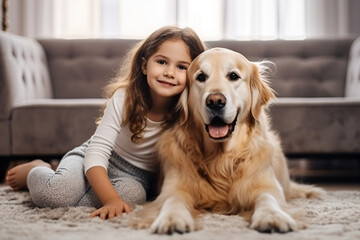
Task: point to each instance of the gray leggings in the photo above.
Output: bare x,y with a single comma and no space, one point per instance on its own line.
68,186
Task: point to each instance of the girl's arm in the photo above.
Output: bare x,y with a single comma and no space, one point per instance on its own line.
113,205
97,158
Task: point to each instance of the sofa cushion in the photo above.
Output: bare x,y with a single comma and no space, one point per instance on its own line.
80,68
311,68
312,77
52,127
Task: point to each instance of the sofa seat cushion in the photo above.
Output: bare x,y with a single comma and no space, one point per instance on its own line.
317,125
53,126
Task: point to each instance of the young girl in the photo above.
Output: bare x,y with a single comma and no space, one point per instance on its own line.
119,161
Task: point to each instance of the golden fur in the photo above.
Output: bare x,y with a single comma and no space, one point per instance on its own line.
216,170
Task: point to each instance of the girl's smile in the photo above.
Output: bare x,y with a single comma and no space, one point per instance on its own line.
166,83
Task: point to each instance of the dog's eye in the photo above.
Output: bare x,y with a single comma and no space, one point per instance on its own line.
201,77
233,76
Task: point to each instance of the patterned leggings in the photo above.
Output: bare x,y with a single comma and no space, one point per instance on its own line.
68,186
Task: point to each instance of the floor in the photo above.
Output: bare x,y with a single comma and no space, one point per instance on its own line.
335,186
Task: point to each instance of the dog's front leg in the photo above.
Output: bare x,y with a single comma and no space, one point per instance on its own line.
174,216
269,216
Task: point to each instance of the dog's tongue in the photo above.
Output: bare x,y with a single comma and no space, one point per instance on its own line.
218,131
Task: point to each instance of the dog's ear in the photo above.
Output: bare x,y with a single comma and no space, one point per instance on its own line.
261,93
182,105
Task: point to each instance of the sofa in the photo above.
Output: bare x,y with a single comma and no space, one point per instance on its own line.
51,92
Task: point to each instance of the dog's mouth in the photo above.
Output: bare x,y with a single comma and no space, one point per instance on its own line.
218,129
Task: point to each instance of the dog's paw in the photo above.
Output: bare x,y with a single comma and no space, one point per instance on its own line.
140,223
272,220
173,221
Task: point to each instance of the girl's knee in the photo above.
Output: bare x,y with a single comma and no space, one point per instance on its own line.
50,190
50,199
130,190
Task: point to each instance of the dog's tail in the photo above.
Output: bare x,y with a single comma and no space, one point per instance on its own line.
298,190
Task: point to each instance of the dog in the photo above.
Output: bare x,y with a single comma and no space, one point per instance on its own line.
222,155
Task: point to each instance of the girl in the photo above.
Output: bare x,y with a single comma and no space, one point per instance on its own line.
119,160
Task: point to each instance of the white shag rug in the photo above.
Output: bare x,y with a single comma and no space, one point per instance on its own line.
335,217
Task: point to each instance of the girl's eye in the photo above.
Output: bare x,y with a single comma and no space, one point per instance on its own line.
162,62
182,67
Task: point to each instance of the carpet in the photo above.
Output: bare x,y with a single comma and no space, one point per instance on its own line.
335,217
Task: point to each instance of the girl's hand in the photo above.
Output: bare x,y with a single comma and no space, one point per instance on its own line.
111,209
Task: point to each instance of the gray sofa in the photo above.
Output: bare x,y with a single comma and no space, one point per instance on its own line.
51,92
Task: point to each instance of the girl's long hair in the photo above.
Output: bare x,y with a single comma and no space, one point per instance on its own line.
131,77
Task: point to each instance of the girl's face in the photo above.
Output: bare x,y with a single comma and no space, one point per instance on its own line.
166,69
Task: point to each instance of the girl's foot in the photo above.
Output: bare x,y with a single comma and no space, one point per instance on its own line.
16,176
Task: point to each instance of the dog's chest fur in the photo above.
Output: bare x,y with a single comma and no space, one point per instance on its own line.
214,170
216,180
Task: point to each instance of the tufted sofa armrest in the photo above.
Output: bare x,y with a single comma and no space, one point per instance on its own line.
353,73
24,76
24,72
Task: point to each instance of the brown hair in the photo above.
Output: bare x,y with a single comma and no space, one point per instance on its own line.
131,77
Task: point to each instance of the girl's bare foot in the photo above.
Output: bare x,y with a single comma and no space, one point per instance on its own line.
16,176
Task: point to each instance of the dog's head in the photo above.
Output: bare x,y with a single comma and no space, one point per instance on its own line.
224,88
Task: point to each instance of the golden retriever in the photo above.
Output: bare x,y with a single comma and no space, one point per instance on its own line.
222,156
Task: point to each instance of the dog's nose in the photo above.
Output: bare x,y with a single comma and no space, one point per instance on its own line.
215,101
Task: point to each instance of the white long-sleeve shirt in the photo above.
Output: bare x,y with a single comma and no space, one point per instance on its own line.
109,136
